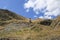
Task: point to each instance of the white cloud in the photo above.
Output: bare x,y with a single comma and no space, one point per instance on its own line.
35,16
41,17
55,12
47,17
27,10
53,7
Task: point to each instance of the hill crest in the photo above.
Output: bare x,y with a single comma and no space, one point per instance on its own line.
8,15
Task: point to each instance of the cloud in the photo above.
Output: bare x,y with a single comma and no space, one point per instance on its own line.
49,7
45,17
40,16
35,16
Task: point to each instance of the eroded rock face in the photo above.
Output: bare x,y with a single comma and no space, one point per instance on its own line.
46,22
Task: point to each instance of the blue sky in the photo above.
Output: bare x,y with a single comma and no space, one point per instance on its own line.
32,8
16,6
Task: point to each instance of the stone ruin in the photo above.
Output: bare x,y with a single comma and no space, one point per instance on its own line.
46,22
52,23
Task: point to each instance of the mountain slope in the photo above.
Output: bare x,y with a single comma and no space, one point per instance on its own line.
15,27
8,15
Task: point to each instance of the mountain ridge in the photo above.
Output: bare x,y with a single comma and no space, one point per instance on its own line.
15,27
8,15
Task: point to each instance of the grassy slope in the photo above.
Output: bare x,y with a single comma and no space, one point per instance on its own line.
30,31
35,32
8,15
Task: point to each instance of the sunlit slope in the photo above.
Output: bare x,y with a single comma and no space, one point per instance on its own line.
15,27
8,15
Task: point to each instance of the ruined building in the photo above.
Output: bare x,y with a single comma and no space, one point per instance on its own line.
53,23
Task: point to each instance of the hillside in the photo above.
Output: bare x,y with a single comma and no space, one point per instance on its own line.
15,27
8,15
